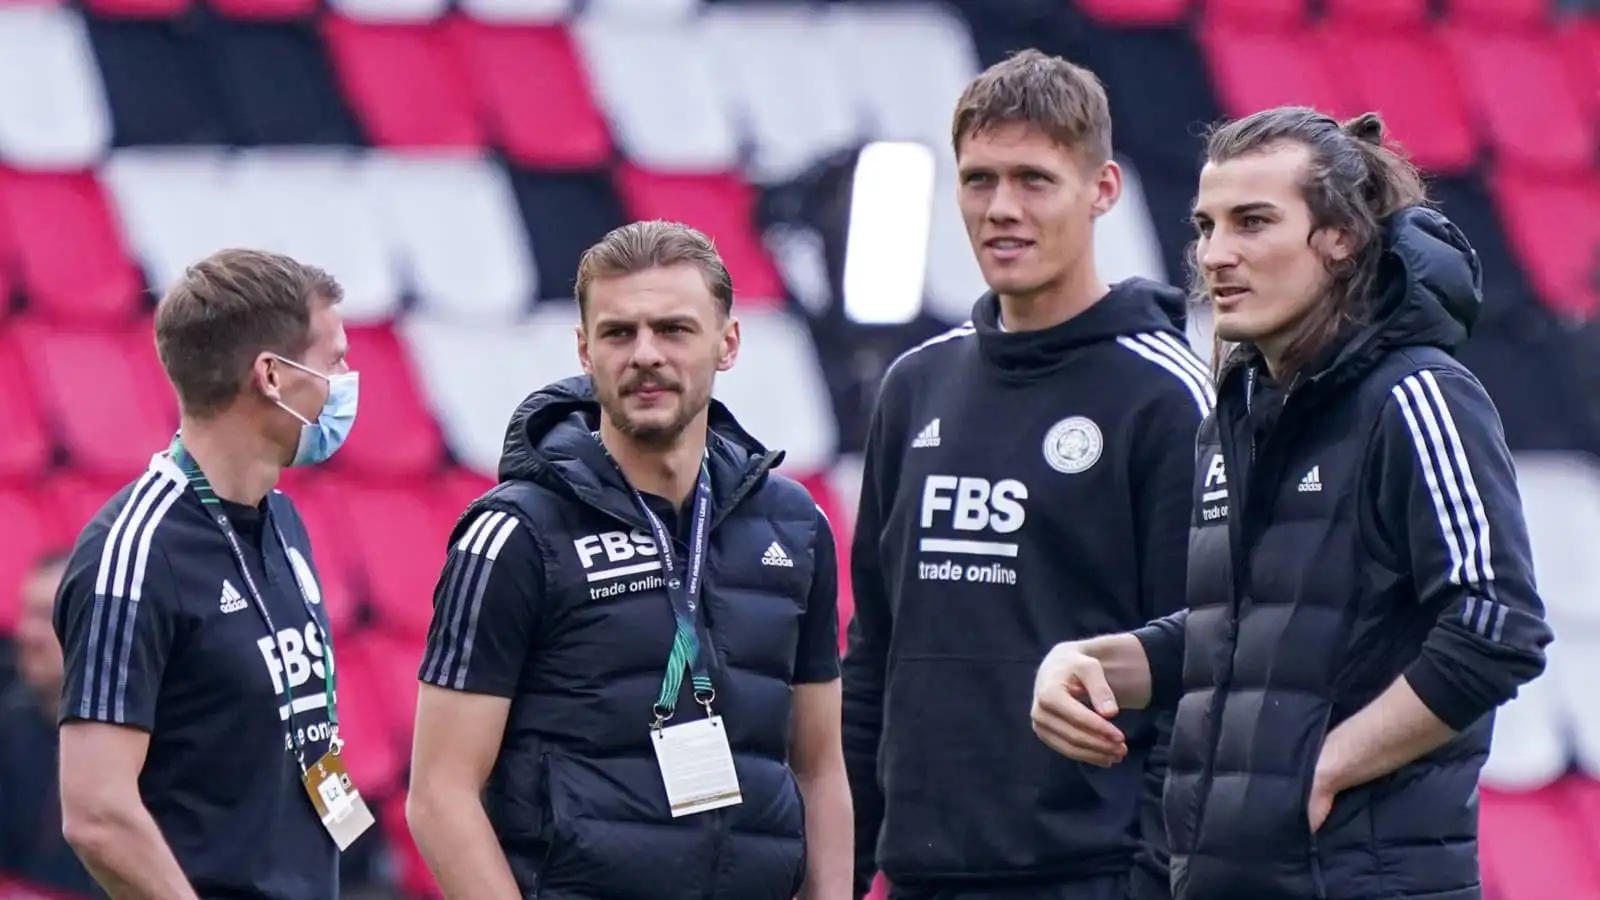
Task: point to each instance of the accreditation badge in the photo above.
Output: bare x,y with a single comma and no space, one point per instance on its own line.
696,766
340,806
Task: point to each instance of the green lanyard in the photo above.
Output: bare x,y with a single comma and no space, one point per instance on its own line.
213,505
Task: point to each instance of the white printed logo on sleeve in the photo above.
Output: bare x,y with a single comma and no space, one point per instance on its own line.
696,766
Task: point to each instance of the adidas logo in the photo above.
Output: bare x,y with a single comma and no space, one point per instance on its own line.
1312,482
928,436
776,557
232,600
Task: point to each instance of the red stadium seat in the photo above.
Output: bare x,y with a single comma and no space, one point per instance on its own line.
1376,14
27,447
1407,76
392,664
535,93
722,206
1530,849
1254,70
265,10
137,9
411,869
27,537
75,498
87,383
1585,794
1260,15
839,518
1580,41
1553,225
376,764
405,83
401,546
1498,13
149,378
1525,98
395,436
319,500
1136,12
73,262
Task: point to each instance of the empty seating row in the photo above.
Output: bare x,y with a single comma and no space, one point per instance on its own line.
689,94
1532,96
1367,13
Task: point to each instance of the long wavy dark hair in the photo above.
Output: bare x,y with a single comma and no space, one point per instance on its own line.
1352,182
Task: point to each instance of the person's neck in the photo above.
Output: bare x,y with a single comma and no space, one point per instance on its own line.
239,462
667,471
1053,305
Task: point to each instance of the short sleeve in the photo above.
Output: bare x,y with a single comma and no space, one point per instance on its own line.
485,606
817,657
115,617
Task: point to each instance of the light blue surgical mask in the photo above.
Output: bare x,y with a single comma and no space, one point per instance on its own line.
319,440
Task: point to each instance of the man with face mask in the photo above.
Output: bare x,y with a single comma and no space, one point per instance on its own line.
199,717
631,682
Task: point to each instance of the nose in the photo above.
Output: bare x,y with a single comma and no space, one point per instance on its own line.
647,352
1004,205
1216,252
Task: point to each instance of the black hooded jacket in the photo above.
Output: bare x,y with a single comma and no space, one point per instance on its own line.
552,596
1357,525
1020,489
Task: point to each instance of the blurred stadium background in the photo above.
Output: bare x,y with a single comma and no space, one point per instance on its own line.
448,161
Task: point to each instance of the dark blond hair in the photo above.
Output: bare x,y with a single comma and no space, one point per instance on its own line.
1061,99
1352,183
642,246
225,311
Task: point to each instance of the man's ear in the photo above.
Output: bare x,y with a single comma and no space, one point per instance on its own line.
728,353
266,375
583,349
1108,189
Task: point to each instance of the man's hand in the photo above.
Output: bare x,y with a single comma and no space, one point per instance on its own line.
1323,793
1076,729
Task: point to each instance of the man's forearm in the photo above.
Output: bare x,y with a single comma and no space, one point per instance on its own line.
459,845
1391,731
124,851
830,835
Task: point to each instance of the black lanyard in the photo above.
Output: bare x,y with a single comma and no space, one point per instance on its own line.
213,505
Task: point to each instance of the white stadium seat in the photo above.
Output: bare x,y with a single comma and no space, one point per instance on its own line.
1125,242
908,63
454,222
954,280
517,12
53,112
659,87
777,391
784,85
307,203
475,375
176,207
642,10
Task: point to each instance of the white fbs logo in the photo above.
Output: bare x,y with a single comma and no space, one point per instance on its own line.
1214,491
980,511
626,561
294,659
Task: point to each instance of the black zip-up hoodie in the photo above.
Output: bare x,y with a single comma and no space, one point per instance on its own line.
1020,489
1356,526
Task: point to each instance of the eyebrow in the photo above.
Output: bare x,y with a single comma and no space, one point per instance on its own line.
1242,209
654,322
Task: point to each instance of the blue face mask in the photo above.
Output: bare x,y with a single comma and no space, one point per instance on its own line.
319,440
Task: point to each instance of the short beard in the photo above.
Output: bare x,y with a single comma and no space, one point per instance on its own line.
652,436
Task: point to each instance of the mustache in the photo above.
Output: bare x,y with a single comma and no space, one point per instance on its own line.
643,382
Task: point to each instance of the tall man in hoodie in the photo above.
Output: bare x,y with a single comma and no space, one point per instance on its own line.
1027,478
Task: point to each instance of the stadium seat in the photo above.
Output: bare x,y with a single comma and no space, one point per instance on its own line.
908,64
405,82
1580,44
318,499
777,391
53,112
278,186
390,11
1530,849
27,538
953,280
661,91
647,11
27,448
87,382
265,10
1407,76
564,213
401,547
376,764
1261,15
391,664
534,93
1376,15
476,375
1255,70
720,205
1125,243
174,206
158,82
784,85
453,220
517,12
275,84
1524,97
1553,224
1584,793
1136,13
73,498
839,517
73,264
1499,14
395,437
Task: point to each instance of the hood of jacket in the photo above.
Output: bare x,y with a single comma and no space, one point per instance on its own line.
1134,306
551,441
1429,293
